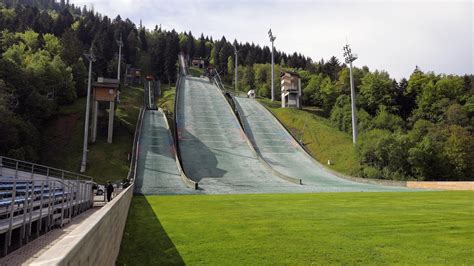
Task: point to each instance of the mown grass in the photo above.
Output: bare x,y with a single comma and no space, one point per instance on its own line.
62,139
326,228
323,141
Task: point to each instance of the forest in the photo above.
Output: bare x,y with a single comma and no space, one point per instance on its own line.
420,127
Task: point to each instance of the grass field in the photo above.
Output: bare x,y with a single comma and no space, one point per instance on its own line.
63,138
324,141
342,228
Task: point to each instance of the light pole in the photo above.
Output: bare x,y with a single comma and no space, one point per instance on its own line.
120,44
349,58
90,56
236,70
272,39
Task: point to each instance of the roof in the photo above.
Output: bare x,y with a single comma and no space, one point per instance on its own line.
290,73
105,85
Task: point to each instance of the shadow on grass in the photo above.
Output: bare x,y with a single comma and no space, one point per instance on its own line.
145,241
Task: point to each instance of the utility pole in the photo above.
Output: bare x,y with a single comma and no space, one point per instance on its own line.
236,70
120,44
90,56
349,58
272,39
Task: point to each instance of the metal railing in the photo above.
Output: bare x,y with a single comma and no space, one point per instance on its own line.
132,171
149,94
32,169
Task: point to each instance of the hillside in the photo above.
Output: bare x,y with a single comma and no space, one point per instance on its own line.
420,127
62,139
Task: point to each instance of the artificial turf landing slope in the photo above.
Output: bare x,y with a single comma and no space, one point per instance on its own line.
354,228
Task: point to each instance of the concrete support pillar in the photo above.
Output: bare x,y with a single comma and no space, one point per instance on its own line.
283,100
95,107
111,122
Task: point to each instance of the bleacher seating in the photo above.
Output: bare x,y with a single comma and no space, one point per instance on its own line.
35,199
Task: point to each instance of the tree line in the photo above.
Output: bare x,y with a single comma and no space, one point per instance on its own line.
42,66
415,128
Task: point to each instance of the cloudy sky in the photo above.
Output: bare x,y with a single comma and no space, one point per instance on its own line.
388,35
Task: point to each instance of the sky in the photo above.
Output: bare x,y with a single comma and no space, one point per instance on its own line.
395,36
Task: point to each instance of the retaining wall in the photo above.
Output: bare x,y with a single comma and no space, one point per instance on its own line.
461,185
96,241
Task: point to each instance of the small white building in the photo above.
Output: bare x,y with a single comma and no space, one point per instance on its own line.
291,93
251,94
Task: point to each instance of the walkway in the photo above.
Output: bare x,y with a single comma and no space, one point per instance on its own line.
31,251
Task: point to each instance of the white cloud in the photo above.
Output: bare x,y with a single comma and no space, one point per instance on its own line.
390,35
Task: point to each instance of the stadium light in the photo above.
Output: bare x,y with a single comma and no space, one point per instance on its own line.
272,39
349,58
90,56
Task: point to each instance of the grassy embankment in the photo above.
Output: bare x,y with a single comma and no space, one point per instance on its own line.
323,140
326,228
63,138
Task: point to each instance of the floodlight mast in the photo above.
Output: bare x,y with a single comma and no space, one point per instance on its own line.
349,58
120,44
236,70
90,56
272,39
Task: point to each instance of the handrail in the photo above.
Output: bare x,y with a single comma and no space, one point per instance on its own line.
137,148
34,168
68,183
134,155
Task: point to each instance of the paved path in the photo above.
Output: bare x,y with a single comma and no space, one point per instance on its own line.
213,147
285,155
34,249
157,172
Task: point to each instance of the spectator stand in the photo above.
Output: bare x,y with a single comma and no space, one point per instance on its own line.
35,199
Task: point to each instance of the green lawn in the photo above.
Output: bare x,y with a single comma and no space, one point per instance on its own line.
342,228
324,141
62,138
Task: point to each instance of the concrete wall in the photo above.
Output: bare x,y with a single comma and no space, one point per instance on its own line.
461,185
96,241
